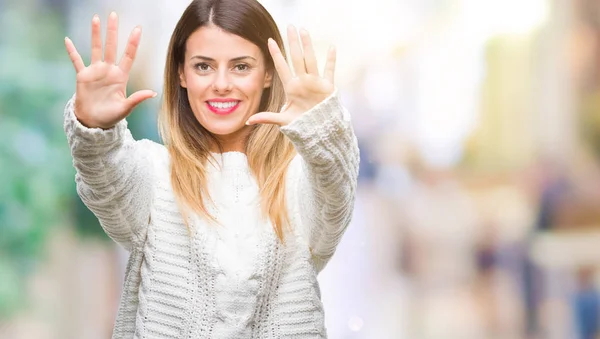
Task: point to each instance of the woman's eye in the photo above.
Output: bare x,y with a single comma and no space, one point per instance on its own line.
203,67
241,67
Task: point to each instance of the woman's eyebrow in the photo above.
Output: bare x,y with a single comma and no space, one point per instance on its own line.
240,58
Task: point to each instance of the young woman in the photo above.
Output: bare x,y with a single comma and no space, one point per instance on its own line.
229,223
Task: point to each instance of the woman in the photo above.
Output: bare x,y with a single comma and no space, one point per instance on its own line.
229,223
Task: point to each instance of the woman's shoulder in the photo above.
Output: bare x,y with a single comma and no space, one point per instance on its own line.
294,174
157,152
295,168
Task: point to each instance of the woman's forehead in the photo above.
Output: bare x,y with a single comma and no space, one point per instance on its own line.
216,43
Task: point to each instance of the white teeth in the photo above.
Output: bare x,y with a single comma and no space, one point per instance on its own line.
223,105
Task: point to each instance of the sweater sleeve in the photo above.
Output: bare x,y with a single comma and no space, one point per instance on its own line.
113,176
326,186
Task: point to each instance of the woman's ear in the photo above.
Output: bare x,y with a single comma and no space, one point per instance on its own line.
182,77
268,79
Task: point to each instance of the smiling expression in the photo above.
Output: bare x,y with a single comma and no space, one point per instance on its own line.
225,76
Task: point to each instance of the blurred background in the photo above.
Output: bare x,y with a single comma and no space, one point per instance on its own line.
478,210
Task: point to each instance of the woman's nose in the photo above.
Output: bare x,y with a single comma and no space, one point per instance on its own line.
222,83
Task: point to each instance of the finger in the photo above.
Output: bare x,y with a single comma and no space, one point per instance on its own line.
131,49
296,51
139,96
281,66
110,51
96,40
329,73
310,60
266,118
74,55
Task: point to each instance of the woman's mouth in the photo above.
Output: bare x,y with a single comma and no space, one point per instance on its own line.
222,107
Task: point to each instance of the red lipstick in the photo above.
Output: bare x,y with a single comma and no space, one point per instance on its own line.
222,106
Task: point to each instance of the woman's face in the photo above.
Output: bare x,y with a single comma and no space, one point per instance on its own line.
225,76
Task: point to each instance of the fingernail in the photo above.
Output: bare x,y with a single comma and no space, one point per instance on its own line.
96,17
248,123
154,95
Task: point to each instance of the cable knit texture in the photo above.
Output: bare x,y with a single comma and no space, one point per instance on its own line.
230,281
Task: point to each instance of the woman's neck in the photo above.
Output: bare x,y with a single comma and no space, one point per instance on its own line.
234,142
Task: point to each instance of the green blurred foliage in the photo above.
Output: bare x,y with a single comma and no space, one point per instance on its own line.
37,187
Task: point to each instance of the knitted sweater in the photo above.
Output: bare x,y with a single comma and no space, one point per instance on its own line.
236,280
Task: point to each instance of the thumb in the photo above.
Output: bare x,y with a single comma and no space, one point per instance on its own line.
139,96
267,118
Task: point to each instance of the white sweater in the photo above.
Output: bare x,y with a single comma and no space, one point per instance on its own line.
231,281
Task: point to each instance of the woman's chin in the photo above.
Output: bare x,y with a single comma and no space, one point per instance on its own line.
226,128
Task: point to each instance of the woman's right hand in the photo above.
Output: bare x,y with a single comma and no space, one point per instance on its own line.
101,99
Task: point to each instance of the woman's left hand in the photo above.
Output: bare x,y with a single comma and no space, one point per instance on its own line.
304,89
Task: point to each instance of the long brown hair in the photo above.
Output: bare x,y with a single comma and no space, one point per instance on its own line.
269,153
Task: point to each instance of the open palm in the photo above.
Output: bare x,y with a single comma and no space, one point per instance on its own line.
101,99
304,89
